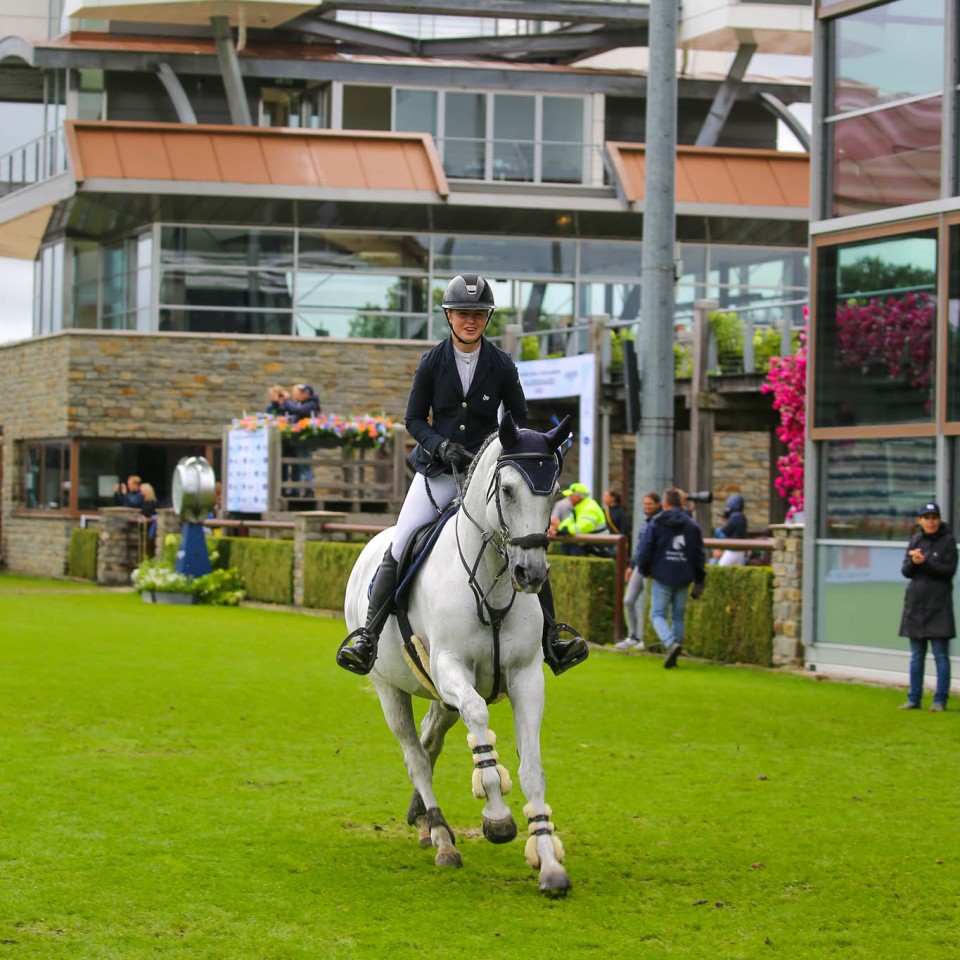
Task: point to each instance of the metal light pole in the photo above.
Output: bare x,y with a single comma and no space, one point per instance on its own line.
654,461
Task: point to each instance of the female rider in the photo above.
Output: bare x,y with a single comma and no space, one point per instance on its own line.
452,408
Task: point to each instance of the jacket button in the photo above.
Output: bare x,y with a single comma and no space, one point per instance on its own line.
463,426
464,404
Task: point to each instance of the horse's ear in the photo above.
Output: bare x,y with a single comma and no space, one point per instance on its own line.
559,433
509,435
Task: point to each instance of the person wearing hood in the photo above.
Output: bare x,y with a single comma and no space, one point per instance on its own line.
734,528
930,564
671,553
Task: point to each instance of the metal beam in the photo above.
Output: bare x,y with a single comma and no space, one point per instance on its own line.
779,109
726,97
178,96
355,36
230,71
540,44
567,11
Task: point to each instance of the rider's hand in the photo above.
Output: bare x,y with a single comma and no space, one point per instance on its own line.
454,454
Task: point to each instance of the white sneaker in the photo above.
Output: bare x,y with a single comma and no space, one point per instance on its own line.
629,643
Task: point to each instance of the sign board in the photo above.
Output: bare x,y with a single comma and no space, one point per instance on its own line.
567,377
247,473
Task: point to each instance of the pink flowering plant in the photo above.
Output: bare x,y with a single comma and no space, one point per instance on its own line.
787,381
363,432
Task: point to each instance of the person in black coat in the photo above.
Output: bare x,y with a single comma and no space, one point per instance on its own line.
451,410
930,564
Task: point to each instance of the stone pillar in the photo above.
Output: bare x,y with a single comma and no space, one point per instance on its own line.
115,560
168,521
787,593
307,526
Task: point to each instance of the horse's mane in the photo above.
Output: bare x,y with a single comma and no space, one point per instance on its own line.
473,463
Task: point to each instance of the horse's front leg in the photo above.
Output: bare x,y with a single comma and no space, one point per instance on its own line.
398,712
543,849
491,781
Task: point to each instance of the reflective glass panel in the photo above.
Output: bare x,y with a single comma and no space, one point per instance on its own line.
611,259
887,52
224,321
875,332
55,490
100,468
953,328
860,594
242,288
562,164
491,256
366,108
871,488
464,135
226,247
887,158
416,111
360,292
619,301
358,323
363,251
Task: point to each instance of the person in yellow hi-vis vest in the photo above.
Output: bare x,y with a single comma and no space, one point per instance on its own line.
587,517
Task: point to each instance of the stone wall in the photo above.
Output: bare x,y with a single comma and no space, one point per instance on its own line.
41,545
787,564
741,464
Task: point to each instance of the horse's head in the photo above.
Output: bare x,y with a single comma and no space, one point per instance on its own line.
522,490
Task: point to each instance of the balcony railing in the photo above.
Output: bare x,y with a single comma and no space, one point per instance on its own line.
33,162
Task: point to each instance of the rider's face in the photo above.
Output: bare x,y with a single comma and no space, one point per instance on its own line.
468,325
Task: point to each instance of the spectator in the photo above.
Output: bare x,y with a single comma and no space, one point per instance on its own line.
128,494
149,509
587,517
617,519
734,528
672,553
303,402
930,564
277,395
633,579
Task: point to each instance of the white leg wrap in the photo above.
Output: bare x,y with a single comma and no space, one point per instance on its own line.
536,829
485,754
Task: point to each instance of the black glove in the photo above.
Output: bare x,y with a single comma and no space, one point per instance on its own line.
454,454
696,591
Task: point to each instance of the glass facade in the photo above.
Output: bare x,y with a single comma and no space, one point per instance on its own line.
876,331
884,110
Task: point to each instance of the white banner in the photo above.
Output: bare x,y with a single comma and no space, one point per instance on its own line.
248,471
567,377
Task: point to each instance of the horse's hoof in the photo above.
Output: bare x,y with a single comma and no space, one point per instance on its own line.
555,885
451,859
500,831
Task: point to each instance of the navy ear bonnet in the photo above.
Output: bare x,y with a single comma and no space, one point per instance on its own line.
537,460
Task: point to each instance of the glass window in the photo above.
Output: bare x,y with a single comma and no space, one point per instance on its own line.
360,291
366,108
871,488
887,52
173,320
875,332
491,256
416,111
514,127
46,480
563,150
363,251
116,294
886,158
360,323
226,247
464,135
611,259
953,327
619,301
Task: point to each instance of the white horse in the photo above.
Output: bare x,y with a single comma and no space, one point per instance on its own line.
474,610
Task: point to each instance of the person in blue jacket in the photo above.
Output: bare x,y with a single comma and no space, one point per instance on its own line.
672,555
452,408
734,527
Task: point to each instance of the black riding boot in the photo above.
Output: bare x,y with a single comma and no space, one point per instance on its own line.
360,655
559,654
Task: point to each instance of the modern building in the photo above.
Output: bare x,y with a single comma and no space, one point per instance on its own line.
221,196
884,393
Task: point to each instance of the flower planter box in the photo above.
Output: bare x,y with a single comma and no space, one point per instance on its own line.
152,596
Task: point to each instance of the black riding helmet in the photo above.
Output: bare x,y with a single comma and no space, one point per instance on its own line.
467,291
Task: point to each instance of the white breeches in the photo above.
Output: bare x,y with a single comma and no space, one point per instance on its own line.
418,510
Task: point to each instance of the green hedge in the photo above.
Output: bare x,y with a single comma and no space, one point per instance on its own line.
265,565
733,621
83,554
583,594
327,569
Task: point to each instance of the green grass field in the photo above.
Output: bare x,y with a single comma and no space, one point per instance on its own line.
199,782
